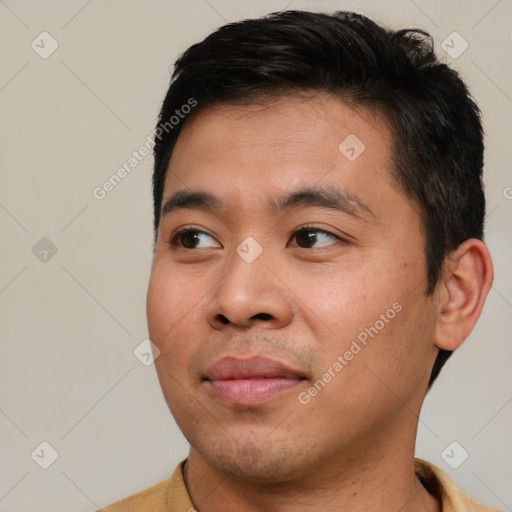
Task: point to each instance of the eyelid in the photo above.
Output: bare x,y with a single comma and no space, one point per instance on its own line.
340,235
184,229
317,228
292,243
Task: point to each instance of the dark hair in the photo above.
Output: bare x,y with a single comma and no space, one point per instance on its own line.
438,138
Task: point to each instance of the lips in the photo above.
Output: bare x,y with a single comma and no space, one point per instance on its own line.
251,381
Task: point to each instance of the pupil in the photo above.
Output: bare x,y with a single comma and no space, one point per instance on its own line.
306,237
189,239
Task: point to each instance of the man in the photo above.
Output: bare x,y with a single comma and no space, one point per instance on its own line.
318,221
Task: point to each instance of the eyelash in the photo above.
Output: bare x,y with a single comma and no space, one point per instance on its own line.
176,237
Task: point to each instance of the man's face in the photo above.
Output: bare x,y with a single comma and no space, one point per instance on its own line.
291,317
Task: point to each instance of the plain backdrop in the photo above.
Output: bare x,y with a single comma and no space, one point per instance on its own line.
74,269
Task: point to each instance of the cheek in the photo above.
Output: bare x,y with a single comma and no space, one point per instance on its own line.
159,308
172,306
172,312
341,303
379,306
396,356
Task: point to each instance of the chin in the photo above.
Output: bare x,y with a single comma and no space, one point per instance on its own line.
255,462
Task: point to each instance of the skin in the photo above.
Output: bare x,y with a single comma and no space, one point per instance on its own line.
352,445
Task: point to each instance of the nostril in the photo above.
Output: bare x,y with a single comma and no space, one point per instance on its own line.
263,316
260,316
223,319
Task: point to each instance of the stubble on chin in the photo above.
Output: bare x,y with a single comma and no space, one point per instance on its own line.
257,462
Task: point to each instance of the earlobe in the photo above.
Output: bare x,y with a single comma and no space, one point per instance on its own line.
461,292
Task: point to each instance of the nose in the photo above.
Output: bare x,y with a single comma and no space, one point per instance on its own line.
249,294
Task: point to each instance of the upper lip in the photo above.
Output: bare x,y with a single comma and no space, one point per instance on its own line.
255,367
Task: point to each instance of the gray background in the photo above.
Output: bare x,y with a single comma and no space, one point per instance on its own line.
71,320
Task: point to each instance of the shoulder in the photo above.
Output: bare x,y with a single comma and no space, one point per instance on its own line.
153,498
167,496
441,486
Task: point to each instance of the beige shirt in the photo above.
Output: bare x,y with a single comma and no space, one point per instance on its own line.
171,495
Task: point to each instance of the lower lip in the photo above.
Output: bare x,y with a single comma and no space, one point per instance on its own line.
251,391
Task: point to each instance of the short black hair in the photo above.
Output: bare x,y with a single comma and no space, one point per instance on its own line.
436,126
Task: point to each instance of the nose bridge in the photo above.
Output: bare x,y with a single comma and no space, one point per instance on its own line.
248,292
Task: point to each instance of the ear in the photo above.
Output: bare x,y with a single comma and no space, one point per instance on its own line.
461,292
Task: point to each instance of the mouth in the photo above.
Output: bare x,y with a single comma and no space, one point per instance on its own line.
251,381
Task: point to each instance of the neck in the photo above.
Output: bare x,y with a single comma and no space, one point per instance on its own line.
356,483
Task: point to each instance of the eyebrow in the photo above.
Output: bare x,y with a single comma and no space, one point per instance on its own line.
325,197
195,200
328,197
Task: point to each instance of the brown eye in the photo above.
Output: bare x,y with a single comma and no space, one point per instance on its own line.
189,239
194,239
307,238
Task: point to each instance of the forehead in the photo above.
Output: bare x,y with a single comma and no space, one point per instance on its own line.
251,151
317,122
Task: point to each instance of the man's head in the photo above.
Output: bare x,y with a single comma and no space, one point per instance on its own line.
321,205
437,136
